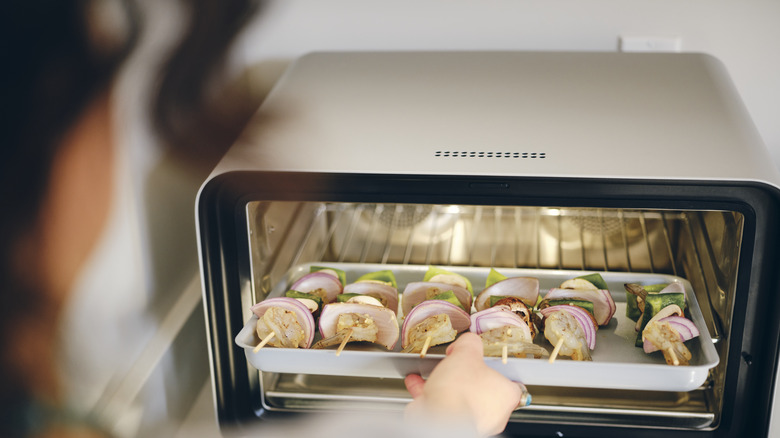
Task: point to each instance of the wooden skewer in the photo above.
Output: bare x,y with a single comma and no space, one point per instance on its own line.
425,347
555,351
344,342
505,349
675,361
265,340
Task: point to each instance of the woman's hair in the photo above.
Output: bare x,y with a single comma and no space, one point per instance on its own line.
57,60
193,121
52,72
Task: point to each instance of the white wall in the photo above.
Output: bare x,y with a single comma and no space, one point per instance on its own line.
744,34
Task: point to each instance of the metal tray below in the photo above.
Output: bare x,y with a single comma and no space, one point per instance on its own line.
616,364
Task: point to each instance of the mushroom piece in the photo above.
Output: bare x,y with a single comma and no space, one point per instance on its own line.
386,294
518,307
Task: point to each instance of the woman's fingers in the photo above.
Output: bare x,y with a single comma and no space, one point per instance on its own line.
414,384
467,343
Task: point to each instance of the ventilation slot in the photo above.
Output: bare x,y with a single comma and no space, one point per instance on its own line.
484,154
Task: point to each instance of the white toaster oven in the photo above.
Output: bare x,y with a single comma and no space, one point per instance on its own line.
641,167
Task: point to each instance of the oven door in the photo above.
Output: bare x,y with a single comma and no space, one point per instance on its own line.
254,227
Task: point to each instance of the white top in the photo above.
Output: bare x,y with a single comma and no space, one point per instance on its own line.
545,114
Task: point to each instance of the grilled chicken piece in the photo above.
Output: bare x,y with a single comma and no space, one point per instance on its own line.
288,332
665,338
563,325
517,342
359,327
437,327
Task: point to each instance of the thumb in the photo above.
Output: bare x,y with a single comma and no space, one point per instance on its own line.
467,343
414,384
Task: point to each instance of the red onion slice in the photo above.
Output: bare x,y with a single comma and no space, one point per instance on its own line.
583,318
603,304
496,317
612,306
524,288
323,281
301,312
459,319
388,293
419,291
384,318
683,326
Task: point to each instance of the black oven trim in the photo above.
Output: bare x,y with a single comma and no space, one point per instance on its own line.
222,232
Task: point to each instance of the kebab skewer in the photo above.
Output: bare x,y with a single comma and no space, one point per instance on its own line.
425,328
325,283
571,329
430,323
662,324
347,322
283,322
505,333
590,288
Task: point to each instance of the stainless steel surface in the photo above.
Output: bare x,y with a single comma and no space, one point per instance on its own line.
297,392
549,114
701,246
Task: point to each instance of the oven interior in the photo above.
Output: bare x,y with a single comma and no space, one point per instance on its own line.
702,246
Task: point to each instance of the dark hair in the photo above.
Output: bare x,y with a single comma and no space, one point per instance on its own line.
55,65
195,123
52,72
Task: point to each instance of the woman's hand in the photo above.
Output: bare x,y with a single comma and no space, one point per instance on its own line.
463,388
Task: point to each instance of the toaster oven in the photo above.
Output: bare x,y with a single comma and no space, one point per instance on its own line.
640,167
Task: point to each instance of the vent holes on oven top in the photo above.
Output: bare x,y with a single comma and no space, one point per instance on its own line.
490,154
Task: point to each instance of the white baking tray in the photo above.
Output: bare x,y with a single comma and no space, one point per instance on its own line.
617,363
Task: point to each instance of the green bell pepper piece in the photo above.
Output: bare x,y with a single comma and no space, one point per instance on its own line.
494,299
494,277
343,298
632,307
449,297
595,279
304,295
